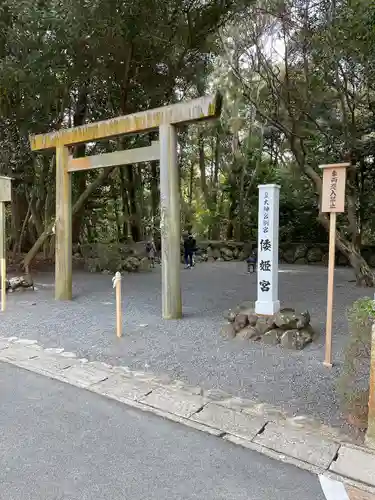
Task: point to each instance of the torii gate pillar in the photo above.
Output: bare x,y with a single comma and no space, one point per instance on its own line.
166,119
170,223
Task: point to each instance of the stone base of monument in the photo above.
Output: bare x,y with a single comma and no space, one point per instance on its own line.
289,328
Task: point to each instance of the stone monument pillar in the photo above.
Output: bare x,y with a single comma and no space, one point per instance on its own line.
268,250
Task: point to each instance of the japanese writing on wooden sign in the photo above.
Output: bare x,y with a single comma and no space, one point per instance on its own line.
333,193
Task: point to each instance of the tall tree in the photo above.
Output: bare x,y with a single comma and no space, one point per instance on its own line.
66,62
313,88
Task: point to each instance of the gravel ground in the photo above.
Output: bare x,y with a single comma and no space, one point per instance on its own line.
192,349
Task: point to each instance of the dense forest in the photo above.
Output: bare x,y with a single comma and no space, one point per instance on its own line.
298,80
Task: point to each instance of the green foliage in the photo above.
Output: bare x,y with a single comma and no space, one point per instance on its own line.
306,74
298,209
64,63
361,316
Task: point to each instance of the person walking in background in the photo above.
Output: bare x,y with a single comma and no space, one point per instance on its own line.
251,261
189,249
151,252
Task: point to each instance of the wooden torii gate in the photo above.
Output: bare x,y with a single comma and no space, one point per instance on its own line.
166,119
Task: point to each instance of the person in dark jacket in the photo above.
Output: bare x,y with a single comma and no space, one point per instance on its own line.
189,249
151,252
251,261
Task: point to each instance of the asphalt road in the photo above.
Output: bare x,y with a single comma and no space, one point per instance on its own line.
62,443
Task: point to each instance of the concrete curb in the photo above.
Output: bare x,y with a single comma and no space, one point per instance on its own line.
299,441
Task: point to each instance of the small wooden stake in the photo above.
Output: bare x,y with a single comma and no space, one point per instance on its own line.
117,284
2,255
331,270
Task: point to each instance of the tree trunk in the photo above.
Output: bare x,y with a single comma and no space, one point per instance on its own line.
241,207
202,169
115,196
125,207
232,212
91,188
215,227
20,212
364,276
234,223
191,184
36,217
135,229
155,197
49,210
79,178
363,273
139,189
34,250
18,247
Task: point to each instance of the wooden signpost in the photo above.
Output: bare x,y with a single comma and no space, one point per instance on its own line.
333,202
5,195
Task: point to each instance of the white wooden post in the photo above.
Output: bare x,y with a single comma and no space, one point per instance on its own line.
268,250
170,223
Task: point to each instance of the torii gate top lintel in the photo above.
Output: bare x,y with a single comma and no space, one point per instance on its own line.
203,108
